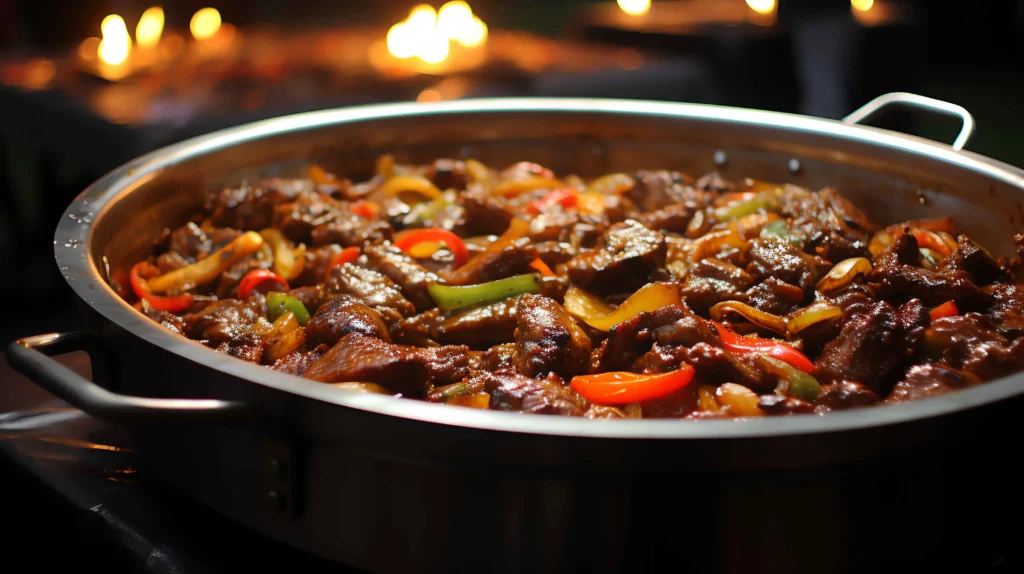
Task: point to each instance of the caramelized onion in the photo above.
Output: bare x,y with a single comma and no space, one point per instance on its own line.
815,313
362,388
755,316
879,242
612,184
409,183
477,171
843,272
518,186
713,242
284,344
738,400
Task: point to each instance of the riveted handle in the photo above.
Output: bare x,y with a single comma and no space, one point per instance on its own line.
921,103
31,357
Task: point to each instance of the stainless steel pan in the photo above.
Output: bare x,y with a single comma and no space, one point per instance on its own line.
399,485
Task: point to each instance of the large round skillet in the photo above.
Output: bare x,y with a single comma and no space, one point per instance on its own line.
400,485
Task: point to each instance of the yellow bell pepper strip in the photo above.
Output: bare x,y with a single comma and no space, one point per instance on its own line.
258,277
755,316
516,187
448,297
542,267
138,282
409,183
564,196
406,240
795,383
620,387
813,314
288,261
209,268
477,171
750,344
612,184
279,303
712,243
843,273
594,312
319,175
947,309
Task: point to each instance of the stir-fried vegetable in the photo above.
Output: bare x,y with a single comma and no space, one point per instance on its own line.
770,347
765,200
209,268
932,240
706,399
288,261
525,170
516,187
347,255
793,382
364,209
596,313
279,303
448,297
618,388
947,309
517,229
755,316
319,175
612,184
473,401
137,278
738,400
843,273
406,240
284,344
712,243
409,183
258,279
542,267
564,196
813,314
779,229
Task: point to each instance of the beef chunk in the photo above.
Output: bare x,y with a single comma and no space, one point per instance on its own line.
930,380
245,208
548,339
189,241
1007,311
844,395
660,359
297,218
685,329
511,391
500,262
975,260
478,327
317,263
774,296
555,252
350,230
710,281
248,347
779,259
298,361
622,260
167,320
499,357
403,270
311,297
832,226
447,173
400,369
714,182
972,343
714,365
672,218
630,339
658,189
343,315
372,287
897,277
483,213
220,322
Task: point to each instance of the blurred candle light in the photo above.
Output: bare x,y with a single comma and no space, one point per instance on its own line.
205,23
429,96
762,6
862,5
454,17
88,48
151,26
115,46
422,17
433,48
401,41
473,34
635,7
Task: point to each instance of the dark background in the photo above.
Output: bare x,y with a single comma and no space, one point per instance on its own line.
816,60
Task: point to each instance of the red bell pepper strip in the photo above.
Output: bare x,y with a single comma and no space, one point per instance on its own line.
930,240
542,267
452,241
617,388
170,304
257,278
363,209
947,309
777,349
347,255
566,197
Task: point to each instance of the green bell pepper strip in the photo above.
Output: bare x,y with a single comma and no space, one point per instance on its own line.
765,200
779,230
798,383
449,298
280,303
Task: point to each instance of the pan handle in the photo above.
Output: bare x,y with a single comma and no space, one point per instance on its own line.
31,357
918,102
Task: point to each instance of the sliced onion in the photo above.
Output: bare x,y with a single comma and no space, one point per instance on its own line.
712,243
815,313
879,242
843,272
755,316
930,258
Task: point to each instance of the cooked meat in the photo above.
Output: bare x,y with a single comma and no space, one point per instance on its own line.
548,340
375,327
844,395
343,315
511,391
622,261
350,230
400,369
512,259
220,322
372,287
248,347
410,276
930,380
